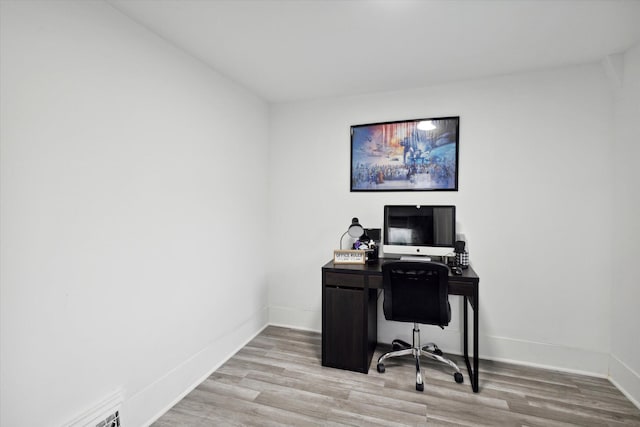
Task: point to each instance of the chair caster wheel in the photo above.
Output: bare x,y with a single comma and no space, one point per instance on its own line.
396,347
419,387
437,351
380,368
458,377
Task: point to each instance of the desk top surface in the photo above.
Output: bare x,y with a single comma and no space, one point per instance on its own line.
468,274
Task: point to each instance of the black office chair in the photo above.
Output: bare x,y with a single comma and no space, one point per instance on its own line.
417,292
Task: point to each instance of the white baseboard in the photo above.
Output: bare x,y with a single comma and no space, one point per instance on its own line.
542,355
146,406
100,411
310,320
625,379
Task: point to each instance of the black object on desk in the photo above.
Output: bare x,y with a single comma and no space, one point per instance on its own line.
350,314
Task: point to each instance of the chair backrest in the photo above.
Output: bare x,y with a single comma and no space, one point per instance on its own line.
416,292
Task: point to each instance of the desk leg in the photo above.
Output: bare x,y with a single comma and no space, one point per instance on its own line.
473,373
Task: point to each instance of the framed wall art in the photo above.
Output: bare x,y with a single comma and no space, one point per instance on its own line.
408,155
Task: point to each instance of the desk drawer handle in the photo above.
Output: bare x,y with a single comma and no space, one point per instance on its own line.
355,288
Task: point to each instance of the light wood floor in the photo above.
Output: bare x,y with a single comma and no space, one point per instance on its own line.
277,380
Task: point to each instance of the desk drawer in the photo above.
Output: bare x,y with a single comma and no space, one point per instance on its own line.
375,282
341,279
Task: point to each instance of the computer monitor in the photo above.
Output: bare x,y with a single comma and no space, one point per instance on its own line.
419,230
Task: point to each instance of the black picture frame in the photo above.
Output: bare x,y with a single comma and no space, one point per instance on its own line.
406,155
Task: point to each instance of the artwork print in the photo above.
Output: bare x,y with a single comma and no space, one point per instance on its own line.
411,155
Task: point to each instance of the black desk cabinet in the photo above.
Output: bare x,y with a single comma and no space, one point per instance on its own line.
350,315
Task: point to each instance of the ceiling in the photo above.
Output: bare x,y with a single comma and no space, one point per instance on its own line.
290,50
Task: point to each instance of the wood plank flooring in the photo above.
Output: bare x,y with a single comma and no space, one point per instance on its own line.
277,380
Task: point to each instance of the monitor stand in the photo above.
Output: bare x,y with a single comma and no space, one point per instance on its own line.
418,258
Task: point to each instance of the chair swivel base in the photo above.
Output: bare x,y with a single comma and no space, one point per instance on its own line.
430,350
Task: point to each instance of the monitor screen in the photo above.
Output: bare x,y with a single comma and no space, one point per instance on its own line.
419,230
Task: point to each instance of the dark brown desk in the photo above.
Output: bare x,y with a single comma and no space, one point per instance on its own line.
350,315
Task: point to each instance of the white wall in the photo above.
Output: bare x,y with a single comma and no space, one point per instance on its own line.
625,350
133,180
534,204
121,270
